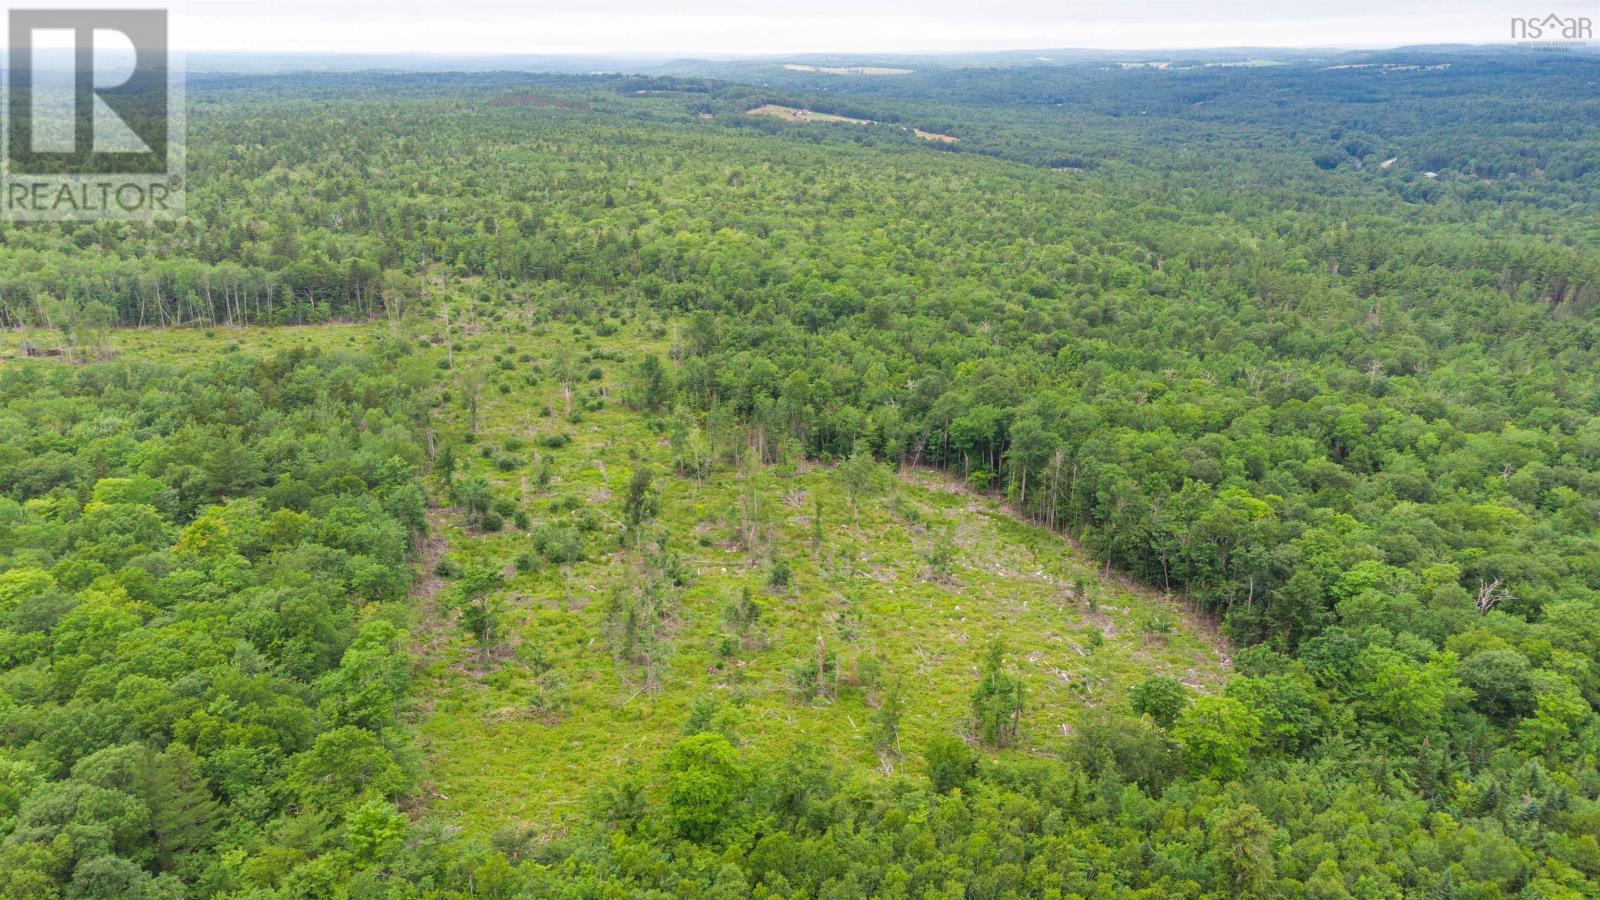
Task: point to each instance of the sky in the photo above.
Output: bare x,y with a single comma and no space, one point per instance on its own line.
761,27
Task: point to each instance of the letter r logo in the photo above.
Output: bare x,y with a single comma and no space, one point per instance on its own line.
89,91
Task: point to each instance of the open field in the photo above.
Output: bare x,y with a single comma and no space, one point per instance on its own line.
847,70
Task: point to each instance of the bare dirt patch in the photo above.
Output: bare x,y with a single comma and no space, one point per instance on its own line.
429,628
797,114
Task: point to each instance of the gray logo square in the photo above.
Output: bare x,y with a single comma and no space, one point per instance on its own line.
93,128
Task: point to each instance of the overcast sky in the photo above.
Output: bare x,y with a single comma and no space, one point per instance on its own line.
760,27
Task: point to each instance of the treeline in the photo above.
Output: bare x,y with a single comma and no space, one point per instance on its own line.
67,291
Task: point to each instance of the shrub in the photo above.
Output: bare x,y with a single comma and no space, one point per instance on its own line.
951,763
779,575
558,544
1161,698
703,780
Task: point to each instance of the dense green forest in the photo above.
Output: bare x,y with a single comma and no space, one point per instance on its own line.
609,384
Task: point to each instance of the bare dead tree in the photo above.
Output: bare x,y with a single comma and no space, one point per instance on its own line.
1492,594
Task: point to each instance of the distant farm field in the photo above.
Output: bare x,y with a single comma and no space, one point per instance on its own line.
847,70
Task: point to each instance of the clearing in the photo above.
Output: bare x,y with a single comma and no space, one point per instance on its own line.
522,733
847,70
798,114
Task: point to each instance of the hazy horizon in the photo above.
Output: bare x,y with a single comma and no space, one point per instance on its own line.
730,29
653,56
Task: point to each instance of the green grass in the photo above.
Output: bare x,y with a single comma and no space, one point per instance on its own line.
177,344
508,745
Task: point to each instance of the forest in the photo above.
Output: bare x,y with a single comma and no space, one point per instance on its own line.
1186,483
